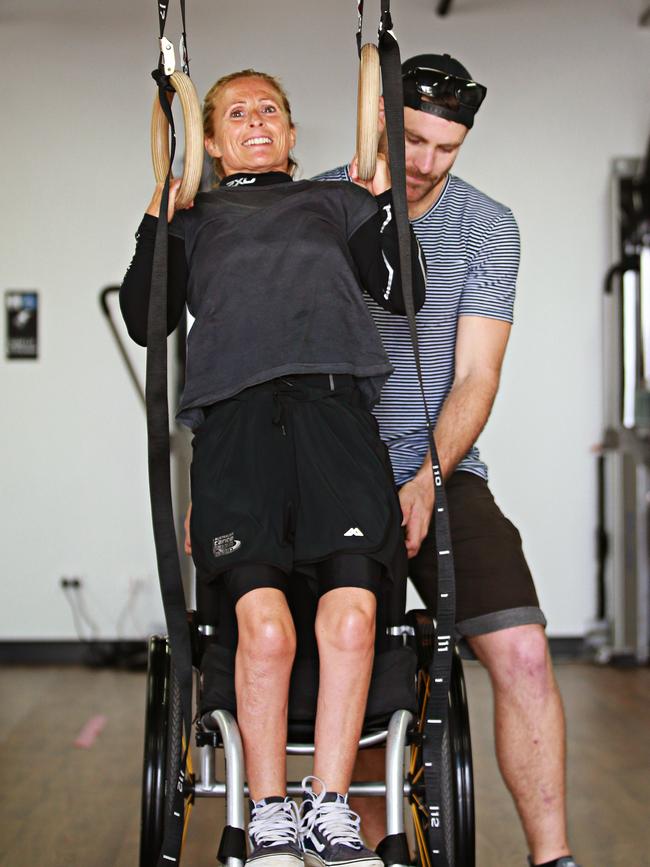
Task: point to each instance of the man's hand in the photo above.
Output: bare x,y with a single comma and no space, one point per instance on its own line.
186,526
416,499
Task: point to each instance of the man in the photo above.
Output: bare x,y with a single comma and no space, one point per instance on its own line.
471,244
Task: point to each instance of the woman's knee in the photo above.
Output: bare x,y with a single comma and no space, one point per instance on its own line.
347,624
266,631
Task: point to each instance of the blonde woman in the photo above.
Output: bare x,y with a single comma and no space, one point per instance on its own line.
290,480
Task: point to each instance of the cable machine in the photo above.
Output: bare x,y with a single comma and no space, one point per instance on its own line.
624,466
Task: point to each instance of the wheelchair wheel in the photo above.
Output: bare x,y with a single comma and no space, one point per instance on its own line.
456,776
163,748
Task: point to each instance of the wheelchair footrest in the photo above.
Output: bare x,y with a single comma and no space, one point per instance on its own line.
232,845
394,850
206,738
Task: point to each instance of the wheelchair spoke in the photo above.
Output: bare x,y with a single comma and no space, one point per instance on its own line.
190,800
421,807
420,836
415,759
186,820
426,688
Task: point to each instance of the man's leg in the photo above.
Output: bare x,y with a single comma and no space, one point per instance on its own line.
265,652
529,727
345,631
529,731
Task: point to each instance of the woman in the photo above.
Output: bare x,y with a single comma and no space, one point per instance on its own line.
289,476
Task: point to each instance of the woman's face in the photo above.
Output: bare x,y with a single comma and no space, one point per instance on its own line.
251,131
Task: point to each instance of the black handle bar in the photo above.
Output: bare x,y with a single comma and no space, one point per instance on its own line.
106,310
631,263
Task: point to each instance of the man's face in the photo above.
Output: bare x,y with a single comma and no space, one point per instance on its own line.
432,145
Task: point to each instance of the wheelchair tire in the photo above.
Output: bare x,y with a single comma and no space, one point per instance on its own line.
163,748
457,776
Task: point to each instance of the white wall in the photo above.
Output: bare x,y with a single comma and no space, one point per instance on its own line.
568,91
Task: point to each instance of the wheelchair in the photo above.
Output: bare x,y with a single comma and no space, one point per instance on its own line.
394,718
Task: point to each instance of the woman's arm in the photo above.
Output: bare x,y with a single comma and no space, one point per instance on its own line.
375,250
136,286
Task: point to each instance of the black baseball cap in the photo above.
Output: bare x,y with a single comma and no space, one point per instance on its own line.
427,76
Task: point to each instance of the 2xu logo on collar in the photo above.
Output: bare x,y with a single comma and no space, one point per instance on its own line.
237,182
225,544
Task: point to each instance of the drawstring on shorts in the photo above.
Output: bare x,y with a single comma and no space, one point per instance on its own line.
279,411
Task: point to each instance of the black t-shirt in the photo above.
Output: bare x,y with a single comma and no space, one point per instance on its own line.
274,287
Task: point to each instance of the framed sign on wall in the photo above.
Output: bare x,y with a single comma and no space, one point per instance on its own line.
22,324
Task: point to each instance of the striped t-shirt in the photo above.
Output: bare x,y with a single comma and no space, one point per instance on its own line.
471,246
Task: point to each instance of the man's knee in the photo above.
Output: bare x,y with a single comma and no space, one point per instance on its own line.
516,655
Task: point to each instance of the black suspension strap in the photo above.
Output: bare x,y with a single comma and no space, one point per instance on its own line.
169,571
163,8
440,667
359,25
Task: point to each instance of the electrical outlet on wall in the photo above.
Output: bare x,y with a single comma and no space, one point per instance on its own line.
70,583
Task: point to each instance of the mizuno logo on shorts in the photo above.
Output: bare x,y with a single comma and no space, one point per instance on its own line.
225,544
353,531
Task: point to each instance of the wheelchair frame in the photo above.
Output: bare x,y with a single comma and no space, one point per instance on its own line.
403,771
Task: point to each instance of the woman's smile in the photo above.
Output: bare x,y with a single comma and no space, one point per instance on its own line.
251,130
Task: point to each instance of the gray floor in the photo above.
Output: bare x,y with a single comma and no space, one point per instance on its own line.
62,806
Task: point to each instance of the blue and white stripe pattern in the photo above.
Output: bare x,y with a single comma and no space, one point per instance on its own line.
471,247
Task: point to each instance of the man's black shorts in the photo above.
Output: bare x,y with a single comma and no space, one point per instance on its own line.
494,587
289,474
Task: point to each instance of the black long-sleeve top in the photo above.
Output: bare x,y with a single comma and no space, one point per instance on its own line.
271,271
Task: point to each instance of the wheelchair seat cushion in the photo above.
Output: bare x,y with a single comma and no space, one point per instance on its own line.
392,686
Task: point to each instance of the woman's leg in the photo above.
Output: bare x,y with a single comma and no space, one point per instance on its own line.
265,653
345,631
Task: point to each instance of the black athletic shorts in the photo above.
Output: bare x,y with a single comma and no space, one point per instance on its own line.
494,587
290,476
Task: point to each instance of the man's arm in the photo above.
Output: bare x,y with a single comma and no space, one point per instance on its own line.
480,347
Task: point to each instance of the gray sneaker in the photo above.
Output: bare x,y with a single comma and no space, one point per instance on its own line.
274,833
329,831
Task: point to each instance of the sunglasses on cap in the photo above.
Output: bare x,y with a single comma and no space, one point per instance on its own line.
422,84
435,82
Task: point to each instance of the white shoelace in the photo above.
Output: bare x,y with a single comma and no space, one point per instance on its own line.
274,824
334,819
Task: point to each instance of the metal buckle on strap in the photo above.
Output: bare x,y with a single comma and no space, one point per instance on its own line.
168,55
404,632
400,630
182,50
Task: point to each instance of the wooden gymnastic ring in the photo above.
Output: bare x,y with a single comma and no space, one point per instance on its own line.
192,120
368,111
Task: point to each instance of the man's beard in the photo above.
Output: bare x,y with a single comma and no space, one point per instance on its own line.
418,187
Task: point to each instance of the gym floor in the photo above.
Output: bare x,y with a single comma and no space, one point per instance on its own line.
63,806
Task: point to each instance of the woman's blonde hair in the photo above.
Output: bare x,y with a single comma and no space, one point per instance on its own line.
211,98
